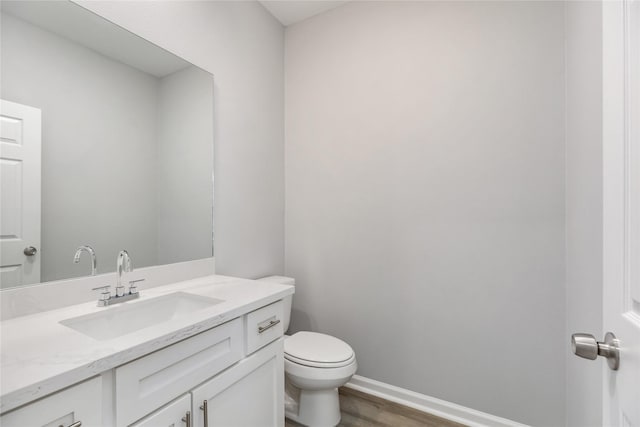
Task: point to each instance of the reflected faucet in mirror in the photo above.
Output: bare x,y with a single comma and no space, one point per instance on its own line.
88,249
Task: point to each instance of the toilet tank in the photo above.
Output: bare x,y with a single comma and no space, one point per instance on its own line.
286,300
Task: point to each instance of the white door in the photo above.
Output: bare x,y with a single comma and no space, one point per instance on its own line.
621,155
19,194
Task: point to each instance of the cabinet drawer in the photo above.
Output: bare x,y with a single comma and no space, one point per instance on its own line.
263,326
151,381
78,403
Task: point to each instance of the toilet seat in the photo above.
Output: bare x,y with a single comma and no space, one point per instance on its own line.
318,350
314,364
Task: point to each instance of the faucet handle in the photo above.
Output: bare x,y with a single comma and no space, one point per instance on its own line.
105,294
133,287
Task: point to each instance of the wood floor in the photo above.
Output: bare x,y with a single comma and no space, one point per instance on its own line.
363,410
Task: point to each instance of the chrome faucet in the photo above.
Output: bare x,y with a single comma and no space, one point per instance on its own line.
88,249
123,265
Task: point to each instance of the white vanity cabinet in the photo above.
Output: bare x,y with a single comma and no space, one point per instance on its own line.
78,405
210,376
229,375
248,394
147,383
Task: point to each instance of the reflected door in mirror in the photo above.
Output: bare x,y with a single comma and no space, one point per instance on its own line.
19,194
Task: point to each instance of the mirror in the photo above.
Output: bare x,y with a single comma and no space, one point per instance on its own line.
122,157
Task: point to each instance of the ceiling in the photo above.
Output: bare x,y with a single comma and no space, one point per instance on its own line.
81,26
289,12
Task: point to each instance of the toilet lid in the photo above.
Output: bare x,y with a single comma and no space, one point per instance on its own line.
315,349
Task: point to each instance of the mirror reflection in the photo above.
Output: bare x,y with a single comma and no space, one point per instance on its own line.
106,142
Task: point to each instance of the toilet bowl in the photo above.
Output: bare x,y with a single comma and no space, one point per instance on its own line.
315,365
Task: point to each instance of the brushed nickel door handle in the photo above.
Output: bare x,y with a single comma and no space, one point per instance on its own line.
586,346
31,251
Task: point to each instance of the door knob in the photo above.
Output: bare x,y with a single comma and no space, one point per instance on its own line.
586,346
30,251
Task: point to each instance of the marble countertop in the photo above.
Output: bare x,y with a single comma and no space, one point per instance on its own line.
40,356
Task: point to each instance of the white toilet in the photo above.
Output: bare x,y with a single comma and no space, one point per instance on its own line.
315,365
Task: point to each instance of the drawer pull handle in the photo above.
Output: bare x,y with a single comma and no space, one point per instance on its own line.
205,408
76,424
271,324
187,418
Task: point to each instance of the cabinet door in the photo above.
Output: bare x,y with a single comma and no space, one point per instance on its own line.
172,415
80,403
249,394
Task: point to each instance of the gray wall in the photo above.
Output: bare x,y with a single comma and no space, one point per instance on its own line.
93,168
242,45
425,196
185,166
584,205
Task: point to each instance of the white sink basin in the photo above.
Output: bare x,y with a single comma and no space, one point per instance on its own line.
130,317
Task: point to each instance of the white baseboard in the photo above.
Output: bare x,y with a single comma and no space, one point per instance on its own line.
424,403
